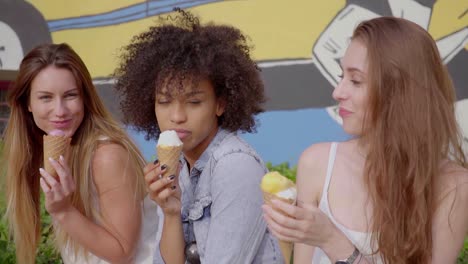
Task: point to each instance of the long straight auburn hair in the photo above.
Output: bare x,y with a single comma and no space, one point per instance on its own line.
23,151
410,129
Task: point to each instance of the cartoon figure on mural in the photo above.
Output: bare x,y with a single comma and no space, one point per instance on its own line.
16,33
299,87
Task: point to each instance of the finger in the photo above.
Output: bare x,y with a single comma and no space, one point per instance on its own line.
166,193
68,184
150,166
44,186
283,219
289,209
281,236
58,167
152,175
55,186
278,231
282,232
158,185
154,172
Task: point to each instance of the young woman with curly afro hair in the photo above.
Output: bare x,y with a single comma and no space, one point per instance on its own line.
200,81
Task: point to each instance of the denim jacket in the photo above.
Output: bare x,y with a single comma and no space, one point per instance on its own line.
221,196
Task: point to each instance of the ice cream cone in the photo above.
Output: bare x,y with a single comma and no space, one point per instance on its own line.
286,247
54,146
169,155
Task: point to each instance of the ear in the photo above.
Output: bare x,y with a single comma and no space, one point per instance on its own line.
220,106
29,107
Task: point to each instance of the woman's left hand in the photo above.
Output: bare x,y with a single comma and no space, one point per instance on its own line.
57,190
303,223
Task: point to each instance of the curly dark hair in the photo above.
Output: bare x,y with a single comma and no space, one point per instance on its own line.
178,49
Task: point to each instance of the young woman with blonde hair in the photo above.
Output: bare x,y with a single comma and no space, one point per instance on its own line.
95,202
398,191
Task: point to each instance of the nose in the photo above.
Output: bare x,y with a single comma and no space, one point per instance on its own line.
178,113
61,108
340,93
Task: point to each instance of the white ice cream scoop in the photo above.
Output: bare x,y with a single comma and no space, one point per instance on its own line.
169,138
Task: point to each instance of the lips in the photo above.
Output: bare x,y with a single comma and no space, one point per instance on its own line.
344,112
182,133
61,124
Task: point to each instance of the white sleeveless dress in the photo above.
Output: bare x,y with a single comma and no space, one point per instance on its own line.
361,240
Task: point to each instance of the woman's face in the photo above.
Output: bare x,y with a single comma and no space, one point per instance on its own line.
55,101
193,113
352,91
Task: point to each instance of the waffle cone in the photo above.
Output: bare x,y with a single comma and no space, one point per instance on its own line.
286,247
169,155
54,146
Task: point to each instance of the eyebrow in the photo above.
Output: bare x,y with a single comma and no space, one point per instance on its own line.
193,93
188,94
69,91
351,69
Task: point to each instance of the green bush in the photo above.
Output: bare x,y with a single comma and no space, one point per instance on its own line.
290,173
46,253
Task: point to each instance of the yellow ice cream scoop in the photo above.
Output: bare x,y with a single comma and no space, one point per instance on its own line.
274,182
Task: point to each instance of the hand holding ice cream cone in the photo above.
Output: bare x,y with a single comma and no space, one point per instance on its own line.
55,144
276,186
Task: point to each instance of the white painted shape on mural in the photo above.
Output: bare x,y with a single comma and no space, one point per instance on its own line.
11,51
270,64
412,11
334,40
450,45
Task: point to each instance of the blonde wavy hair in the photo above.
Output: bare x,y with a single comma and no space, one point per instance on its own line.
410,130
23,151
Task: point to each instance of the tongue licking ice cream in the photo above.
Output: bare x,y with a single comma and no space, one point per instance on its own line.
168,150
276,186
55,144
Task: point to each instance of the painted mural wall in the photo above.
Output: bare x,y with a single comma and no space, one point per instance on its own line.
297,44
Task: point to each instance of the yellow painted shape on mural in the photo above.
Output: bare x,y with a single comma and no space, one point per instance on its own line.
448,16
277,30
58,9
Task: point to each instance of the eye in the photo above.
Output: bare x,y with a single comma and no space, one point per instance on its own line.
195,102
162,101
355,82
71,95
45,97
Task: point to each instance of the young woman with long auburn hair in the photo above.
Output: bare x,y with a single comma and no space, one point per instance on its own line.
95,200
398,191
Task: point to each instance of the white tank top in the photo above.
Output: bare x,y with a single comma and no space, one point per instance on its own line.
359,239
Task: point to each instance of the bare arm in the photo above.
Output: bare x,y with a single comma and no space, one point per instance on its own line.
115,237
450,222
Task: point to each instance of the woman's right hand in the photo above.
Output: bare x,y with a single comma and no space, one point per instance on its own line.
163,189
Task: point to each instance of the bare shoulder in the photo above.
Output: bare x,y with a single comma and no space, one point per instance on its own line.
109,153
453,178
315,153
450,221
110,165
311,172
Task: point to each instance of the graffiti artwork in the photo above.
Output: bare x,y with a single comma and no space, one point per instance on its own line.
297,45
